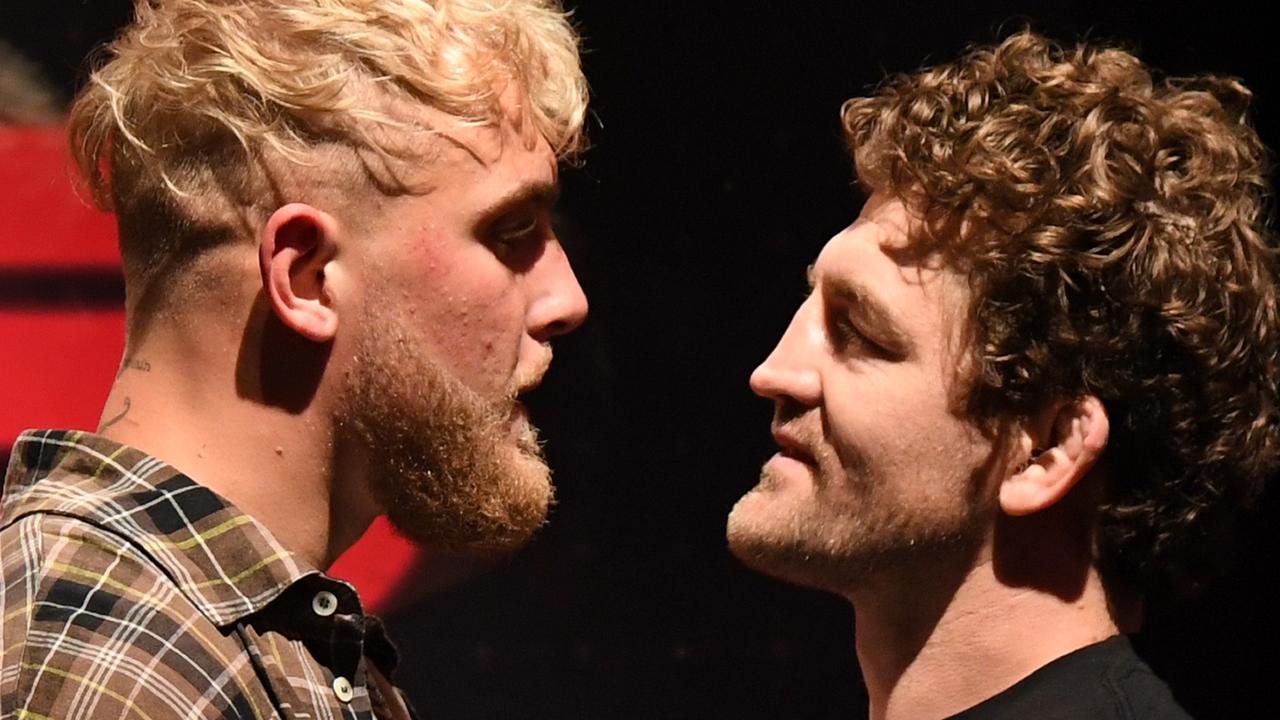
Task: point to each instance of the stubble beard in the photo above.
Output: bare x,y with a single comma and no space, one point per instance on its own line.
848,544
442,460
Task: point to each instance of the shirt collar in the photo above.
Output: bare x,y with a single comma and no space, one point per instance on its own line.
223,561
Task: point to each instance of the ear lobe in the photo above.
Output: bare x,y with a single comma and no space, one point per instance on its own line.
296,244
1075,434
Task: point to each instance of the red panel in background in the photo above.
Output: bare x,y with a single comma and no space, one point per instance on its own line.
43,222
58,367
381,567
58,362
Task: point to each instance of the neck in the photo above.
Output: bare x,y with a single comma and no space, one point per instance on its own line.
197,404
933,654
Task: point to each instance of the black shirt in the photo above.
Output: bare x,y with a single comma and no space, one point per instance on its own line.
1106,680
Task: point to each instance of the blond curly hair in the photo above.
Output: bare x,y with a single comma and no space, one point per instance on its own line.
194,93
1111,225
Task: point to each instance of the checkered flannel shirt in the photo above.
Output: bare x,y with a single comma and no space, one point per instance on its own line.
131,591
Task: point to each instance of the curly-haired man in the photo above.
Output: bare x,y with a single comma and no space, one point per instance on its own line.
1033,384
340,274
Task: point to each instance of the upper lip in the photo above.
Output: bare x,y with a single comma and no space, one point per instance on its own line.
530,376
527,384
792,446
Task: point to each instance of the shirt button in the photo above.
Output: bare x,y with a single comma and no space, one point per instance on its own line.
342,688
324,603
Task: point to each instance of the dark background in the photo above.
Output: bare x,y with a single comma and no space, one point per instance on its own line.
717,174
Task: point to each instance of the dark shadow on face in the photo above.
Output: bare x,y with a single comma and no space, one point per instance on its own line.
921,585
525,255
277,366
1052,550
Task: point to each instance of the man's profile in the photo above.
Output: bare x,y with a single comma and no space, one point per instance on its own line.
1034,382
335,227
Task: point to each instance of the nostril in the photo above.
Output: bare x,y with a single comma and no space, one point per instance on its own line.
561,327
787,409
556,316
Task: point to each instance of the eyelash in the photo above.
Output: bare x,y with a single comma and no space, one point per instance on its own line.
513,233
844,333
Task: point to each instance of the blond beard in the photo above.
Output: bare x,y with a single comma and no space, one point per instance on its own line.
442,460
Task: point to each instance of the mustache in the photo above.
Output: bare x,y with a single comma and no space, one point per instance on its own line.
530,376
798,435
798,424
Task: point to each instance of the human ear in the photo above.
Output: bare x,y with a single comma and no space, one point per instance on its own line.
1075,434
296,244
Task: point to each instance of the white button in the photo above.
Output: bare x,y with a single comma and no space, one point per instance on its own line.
342,688
324,603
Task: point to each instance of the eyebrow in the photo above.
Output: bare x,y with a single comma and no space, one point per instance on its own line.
541,194
874,312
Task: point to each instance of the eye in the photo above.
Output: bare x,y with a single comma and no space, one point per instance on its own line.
517,240
845,335
514,235
514,231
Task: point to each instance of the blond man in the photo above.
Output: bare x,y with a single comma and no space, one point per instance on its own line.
1034,382
341,274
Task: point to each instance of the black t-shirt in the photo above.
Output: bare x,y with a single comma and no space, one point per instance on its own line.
1106,680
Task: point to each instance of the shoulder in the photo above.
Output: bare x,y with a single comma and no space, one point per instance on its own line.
1104,680
92,627
1138,691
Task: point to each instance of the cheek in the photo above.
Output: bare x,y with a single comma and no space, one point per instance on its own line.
480,339
884,425
473,318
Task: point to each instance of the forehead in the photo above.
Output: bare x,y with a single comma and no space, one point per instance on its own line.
921,295
510,144
455,169
429,149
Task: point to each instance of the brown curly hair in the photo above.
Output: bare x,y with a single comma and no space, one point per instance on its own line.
1111,224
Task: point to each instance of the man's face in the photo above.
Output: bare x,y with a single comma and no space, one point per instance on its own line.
875,469
467,284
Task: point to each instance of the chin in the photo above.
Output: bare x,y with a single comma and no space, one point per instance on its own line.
518,510
489,501
772,506
757,528
788,560
773,530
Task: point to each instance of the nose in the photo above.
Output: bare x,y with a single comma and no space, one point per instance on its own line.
791,371
558,303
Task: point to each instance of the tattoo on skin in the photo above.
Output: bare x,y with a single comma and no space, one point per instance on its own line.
131,363
128,403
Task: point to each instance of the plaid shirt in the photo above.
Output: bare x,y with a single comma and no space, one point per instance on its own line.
131,591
